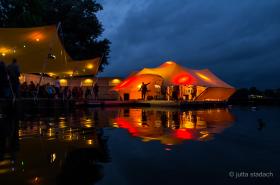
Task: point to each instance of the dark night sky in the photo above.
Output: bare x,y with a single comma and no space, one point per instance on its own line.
239,40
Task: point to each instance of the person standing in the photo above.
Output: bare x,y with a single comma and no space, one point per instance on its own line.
57,87
4,82
14,73
144,90
96,91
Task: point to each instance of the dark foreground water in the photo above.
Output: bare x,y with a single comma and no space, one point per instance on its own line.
135,146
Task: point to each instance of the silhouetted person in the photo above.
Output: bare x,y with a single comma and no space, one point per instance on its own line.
163,90
96,91
32,89
57,86
88,93
4,82
14,73
175,92
194,90
144,90
261,124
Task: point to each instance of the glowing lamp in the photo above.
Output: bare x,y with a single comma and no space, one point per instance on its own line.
37,39
89,142
87,82
89,66
3,54
63,82
116,81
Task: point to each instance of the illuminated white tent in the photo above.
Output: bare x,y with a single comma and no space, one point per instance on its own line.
210,87
35,47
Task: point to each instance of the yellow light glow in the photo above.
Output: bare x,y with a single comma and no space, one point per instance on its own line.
139,86
53,157
51,74
169,62
63,82
89,66
203,76
70,73
90,142
4,51
88,125
5,162
189,125
22,78
36,36
116,81
3,171
87,82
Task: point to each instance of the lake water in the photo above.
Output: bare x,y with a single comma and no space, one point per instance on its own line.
141,146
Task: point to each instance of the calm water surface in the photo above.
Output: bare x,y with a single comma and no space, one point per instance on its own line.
141,146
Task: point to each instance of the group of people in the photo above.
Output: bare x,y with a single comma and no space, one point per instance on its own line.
56,91
10,86
9,79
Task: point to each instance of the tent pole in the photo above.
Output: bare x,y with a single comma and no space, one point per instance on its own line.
93,84
11,87
40,80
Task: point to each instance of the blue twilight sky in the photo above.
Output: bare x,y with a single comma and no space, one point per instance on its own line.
239,40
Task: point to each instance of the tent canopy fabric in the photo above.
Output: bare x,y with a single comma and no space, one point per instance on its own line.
174,74
34,47
178,75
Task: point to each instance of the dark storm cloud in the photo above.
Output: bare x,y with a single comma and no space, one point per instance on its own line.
237,39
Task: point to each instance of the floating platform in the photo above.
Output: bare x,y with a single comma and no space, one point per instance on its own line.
156,103
25,103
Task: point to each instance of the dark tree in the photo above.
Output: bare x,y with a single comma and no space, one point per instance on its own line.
80,31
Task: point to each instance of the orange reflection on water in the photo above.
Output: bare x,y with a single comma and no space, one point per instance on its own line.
172,126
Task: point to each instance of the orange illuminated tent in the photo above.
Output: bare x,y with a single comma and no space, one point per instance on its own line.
41,46
198,85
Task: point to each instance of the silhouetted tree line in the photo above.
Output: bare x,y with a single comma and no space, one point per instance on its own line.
255,95
81,28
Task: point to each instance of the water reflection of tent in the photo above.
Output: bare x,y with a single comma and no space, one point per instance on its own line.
33,46
208,86
192,125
